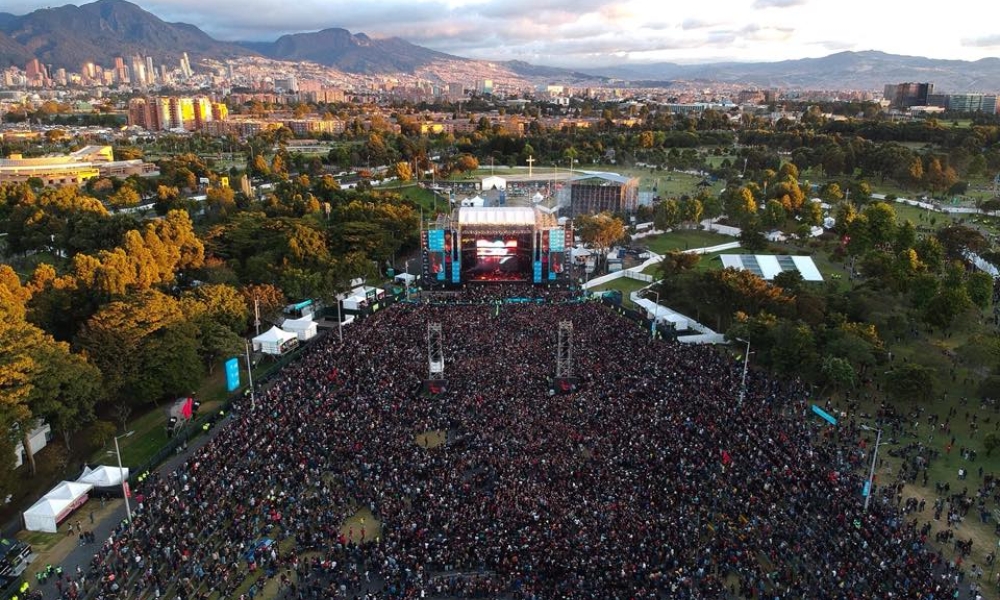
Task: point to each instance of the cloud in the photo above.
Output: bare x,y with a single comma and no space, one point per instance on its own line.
986,41
777,3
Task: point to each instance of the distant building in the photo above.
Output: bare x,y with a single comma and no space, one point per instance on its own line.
595,192
75,168
159,113
985,103
905,95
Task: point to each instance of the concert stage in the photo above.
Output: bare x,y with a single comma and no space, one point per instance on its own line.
495,245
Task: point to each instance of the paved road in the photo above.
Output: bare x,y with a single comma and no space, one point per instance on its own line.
103,527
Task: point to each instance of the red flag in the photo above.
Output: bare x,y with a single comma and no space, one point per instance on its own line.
128,490
726,459
188,408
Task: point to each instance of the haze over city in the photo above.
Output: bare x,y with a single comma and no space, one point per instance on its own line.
588,33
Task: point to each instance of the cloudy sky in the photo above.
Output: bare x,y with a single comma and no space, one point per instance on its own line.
581,33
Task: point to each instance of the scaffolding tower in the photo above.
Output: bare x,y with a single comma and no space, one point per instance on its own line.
564,353
435,352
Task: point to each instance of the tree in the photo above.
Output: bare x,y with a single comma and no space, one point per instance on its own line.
666,215
991,441
946,305
691,210
601,231
124,197
752,237
838,373
403,171
145,347
223,304
676,262
774,214
911,382
979,287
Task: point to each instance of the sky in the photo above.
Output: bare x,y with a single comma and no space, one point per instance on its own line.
588,33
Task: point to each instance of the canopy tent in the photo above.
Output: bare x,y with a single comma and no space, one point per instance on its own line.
494,182
107,480
275,341
47,513
304,328
476,202
361,296
405,278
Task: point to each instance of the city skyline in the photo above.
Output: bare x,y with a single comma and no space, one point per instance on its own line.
594,33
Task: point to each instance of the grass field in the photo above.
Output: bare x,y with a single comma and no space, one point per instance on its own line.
683,239
625,285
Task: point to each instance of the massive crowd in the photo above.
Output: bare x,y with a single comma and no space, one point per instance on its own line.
650,480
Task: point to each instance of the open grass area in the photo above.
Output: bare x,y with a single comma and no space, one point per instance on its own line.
362,526
625,285
431,439
683,239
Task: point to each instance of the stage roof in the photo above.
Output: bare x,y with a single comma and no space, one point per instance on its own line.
767,266
518,216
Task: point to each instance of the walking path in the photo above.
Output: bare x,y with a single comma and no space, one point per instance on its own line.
100,518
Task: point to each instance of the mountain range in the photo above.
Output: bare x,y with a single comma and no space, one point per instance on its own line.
69,36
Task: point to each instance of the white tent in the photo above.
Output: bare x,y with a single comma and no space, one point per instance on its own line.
357,298
103,476
47,513
304,328
274,341
494,182
405,278
475,202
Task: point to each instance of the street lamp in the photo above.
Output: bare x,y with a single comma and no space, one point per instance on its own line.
406,282
656,313
121,473
746,365
869,485
253,396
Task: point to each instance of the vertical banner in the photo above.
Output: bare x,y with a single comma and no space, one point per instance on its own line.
538,272
232,374
436,255
453,247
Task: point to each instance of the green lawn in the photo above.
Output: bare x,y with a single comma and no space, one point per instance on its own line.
625,285
683,239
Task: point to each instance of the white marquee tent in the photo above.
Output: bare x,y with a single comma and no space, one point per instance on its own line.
103,476
47,513
274,341
304,328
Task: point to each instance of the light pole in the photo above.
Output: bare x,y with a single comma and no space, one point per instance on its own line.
340,320
253,397
121,473
656,313
869,485
406,282
746,366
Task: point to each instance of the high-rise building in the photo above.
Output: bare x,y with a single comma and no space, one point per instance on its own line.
986,103
35,71
121,71
905,95
150,71
185,66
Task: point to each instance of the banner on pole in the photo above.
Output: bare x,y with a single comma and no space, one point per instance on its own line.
824,415
232,374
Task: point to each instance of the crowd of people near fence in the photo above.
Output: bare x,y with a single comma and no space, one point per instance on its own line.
650,480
